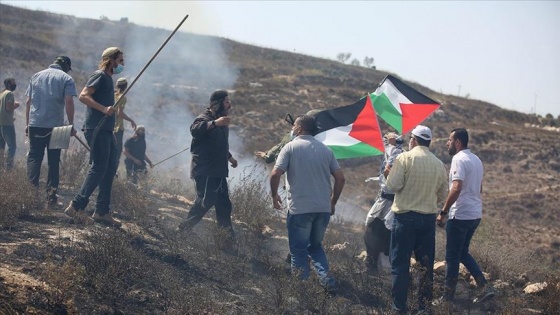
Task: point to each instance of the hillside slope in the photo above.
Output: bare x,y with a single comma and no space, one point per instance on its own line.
522,163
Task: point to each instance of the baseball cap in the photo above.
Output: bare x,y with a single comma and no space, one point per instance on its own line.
121,81
422,132
65,60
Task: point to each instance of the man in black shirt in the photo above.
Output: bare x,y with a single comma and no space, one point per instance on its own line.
135,152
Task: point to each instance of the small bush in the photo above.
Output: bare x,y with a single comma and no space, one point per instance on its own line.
19,197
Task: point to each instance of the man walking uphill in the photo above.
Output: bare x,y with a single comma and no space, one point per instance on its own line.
99,98
419,181
464,207
50,93
209,166
309,165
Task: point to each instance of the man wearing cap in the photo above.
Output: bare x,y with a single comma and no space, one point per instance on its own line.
121,117
98,95
7,129
464,208
135,152
419,181
209,166
50,93
377,237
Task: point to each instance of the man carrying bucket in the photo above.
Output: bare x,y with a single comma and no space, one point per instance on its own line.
49,94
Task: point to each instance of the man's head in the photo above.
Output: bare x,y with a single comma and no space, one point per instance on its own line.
458,140
391,138
220,103
140,131
420,135
64,62
122,84
112,60
304,125
10,84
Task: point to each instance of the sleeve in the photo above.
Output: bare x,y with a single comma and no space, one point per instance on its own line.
283,160
334,166
395,181
70,88
443,188
95,80
457,170
29,89
199,127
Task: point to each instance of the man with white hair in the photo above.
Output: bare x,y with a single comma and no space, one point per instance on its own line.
419,180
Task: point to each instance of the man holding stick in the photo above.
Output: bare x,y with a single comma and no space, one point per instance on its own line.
98,96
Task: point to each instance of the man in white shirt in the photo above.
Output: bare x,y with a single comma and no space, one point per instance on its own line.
464,208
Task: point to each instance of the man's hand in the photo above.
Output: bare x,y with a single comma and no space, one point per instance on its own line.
333,208
222,121
260,154
109,111
233,162
440,220
151,165
277,202
133,124
73,133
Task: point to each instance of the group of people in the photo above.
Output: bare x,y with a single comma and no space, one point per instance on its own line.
402,220
50,94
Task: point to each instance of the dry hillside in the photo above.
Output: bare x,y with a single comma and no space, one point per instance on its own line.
521,185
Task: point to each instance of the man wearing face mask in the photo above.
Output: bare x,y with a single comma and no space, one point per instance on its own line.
50,93
135,152
209,166
98,95
7,129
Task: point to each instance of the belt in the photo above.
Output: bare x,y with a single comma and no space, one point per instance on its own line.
388,196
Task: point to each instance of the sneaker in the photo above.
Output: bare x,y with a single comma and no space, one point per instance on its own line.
488,293
79,216
106,219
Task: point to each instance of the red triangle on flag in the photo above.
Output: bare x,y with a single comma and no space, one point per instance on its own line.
414,114
366,127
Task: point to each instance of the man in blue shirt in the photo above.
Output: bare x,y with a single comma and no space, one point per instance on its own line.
49,94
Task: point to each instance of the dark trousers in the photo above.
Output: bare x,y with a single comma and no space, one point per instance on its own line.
459,235
101,173
211,191
412,232
39,139
377,239
119,138
133,171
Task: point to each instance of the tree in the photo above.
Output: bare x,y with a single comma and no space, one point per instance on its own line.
343,57
368,62
355,62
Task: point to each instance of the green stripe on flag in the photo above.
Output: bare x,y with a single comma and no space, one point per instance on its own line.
387,110
353,151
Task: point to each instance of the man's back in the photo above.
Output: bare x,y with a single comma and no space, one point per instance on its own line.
467,167
47,90
419,181
309,165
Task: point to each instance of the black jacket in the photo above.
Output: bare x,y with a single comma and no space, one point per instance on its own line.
209,148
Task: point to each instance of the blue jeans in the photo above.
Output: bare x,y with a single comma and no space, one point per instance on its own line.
8,136
39,141
305,237
459,235
412,232
101,173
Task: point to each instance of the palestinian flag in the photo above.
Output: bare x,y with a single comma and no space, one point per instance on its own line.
401,106
350,131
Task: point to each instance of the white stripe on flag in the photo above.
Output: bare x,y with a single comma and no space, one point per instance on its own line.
338,136
394,95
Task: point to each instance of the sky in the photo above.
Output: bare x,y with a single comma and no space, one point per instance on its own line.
503,52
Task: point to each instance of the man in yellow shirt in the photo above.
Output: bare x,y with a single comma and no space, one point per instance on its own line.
419,180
